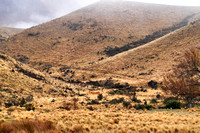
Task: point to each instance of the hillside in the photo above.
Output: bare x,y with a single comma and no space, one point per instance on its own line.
6,32
18,81
96,32
154,59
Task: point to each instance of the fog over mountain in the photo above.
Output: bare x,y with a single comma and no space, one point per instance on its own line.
26,13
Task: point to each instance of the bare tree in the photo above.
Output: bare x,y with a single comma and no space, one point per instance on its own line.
184,80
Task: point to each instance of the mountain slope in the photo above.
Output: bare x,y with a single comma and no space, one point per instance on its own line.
17,81
6,32
87,35
154,59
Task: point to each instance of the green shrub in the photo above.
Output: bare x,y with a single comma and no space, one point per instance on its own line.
112,93
29,107
169,98
149,107
153,101
173,104
136,100
126,104
90,108
143,106
100,97
139,106
116,101
119,92
93,102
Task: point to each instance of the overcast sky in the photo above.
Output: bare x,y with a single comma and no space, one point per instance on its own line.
27,13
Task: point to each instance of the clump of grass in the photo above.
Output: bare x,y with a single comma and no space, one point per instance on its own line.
69,105
28,126
77,129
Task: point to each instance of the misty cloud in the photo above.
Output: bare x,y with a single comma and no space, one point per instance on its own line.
26,13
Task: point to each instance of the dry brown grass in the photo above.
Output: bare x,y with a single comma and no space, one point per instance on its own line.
152,60
121,23
118,120
28,126
73,104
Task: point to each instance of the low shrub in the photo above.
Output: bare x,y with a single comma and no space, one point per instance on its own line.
143,106
100,97
116,101
169,98
126,104
93,102
173,104
149,107
153,101
7,105
90,108
136,100
118,92
139,106
158,96
29,107
112,93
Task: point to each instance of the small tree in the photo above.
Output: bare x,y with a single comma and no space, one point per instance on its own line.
184,80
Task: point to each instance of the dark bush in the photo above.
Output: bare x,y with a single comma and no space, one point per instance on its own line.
7,105
33,34
100,97
143,106
75,26
136,100
93,102
112,92
119,92
148,107
29,107
169,98
173,104
158,96
22,102
153,101
139,106
116,101
153,84
126,104
90,108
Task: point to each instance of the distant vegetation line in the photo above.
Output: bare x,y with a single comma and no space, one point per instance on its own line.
109,51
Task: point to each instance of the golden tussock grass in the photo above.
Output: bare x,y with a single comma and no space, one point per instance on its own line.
28,126
115,120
